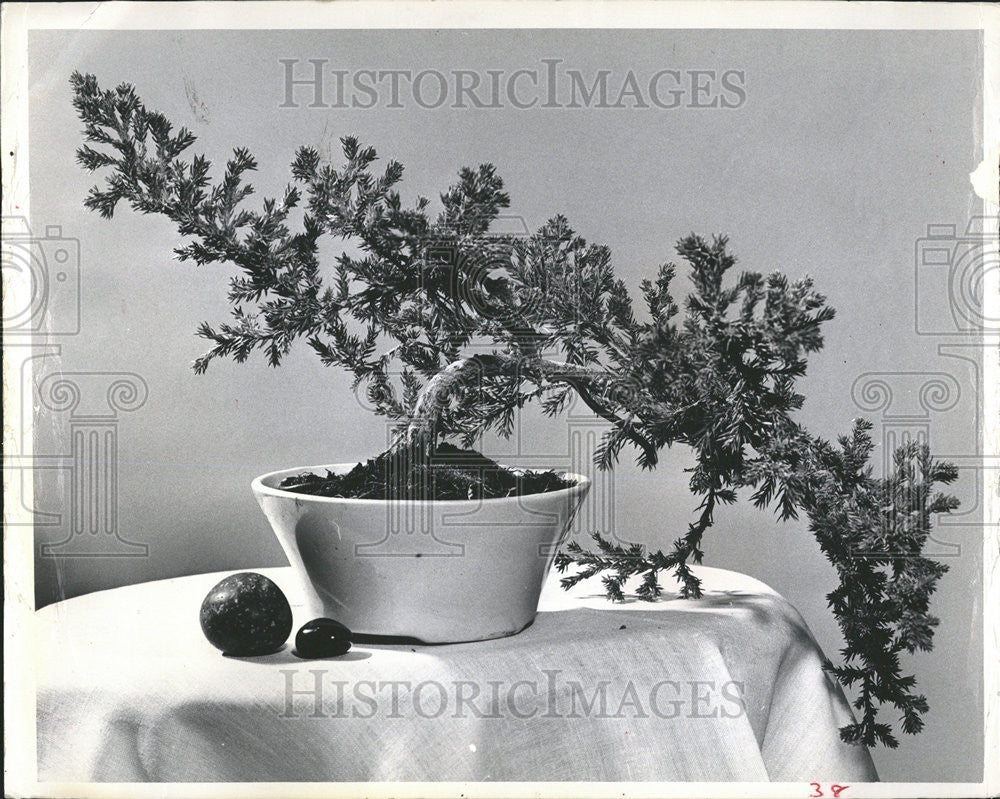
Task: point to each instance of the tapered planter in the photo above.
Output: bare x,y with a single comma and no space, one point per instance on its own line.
442,571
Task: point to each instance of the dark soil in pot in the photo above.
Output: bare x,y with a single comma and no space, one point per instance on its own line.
450,473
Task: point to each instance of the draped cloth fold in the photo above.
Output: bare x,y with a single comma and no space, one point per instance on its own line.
726,688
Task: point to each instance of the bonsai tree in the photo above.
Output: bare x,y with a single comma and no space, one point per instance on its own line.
451,329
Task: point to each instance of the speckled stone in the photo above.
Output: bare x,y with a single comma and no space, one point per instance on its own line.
246,614
322,638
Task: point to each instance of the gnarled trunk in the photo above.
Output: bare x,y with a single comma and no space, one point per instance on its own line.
421,433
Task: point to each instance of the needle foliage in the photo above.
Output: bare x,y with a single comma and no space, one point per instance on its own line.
408,305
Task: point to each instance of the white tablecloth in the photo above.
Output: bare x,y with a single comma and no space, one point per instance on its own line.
729,687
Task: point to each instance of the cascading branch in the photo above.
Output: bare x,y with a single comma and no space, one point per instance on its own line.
404,314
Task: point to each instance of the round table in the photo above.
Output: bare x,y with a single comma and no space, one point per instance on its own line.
728,687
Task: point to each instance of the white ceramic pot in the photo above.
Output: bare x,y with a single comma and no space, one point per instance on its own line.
439,572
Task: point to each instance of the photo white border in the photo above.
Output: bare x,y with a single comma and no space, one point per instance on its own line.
19,18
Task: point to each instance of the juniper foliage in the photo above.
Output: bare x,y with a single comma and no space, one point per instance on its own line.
413,291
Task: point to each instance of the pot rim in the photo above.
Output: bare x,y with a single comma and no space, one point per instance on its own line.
260,488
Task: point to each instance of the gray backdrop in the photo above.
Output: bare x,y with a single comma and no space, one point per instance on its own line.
842,148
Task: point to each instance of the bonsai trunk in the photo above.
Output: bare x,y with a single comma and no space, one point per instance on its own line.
421,434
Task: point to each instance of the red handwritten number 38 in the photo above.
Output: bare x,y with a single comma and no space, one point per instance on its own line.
834,789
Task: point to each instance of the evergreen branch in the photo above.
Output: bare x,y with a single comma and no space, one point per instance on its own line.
412,292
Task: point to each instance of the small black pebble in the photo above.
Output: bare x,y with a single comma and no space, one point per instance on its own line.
321,638
622,627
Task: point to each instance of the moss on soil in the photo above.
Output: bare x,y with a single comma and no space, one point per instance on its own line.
451,473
